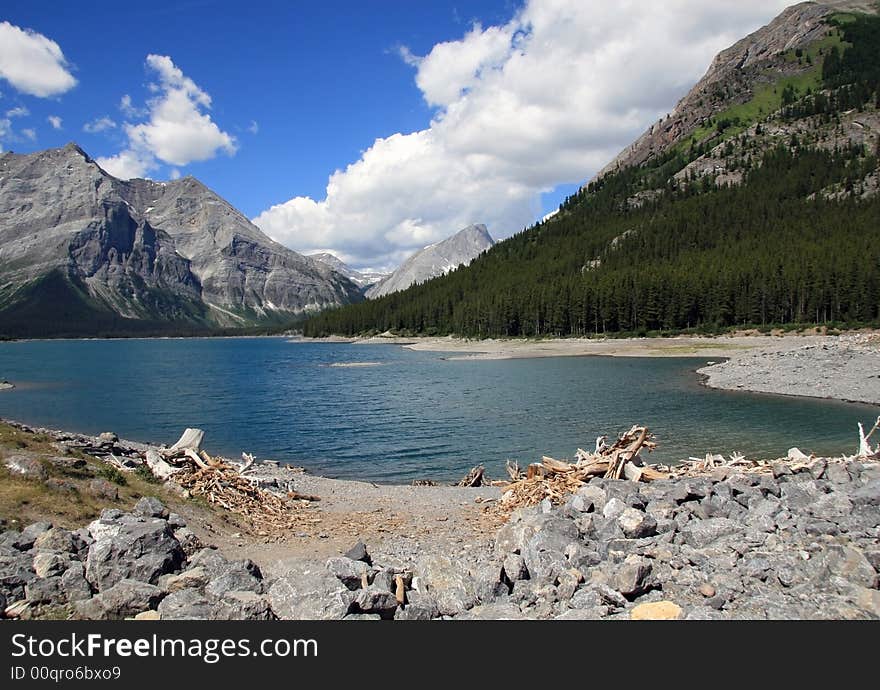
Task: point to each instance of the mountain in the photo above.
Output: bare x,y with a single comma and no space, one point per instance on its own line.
362,280
436,260
754,204
743,80
84,253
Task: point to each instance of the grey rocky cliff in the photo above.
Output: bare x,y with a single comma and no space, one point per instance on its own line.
436,260
148,250
735,74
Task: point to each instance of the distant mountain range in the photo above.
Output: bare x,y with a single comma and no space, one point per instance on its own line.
435,260
84,253
361,279
753,204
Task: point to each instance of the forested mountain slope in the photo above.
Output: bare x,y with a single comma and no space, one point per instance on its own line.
764,210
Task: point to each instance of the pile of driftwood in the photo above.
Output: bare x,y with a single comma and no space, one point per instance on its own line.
555,480
227,485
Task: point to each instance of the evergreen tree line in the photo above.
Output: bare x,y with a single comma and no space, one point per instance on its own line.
769,251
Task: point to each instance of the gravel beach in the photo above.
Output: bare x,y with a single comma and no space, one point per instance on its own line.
844,368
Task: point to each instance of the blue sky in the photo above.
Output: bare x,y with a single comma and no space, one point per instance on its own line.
435,114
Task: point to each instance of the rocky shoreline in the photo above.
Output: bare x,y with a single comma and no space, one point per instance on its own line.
843,368
800,541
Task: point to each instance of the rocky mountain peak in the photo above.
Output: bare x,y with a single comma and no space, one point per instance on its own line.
737,74
436,260
145,250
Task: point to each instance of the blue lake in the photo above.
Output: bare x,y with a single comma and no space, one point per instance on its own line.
408,415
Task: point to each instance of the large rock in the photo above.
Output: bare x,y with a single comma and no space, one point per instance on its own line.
630,578
349,571
656,611
134,549
544,556
309,592
189,604
193,578
246,606
375,600
46,590
25,541
359,552
636,524
701,533
241,576
15,572
523,525
418,607
150,507
26,467
48,563
595,595
74,583
60,540
449,582
515,567
846,562
125,598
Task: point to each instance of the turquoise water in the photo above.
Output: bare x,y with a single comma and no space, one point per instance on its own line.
408,415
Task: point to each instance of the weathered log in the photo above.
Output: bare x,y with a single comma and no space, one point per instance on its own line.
191,438
474,478
865,449
160,469
248,461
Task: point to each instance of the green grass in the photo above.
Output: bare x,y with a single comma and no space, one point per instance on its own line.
768,98
23,500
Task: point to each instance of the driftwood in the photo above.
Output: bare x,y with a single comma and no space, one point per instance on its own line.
224,484
476,477
191,438
400,589
160,469
554,480
865,449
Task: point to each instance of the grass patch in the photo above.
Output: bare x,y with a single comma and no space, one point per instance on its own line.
768,99
64,499
112,474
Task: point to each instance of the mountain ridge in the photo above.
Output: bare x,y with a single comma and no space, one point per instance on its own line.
737,71
150,252
435,260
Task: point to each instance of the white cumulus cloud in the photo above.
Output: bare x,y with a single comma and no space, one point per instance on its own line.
546,99
177,131
55,121
99,124
19,111
32,63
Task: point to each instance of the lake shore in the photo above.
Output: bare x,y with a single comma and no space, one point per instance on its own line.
845,367
841,367
680,346
789,539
